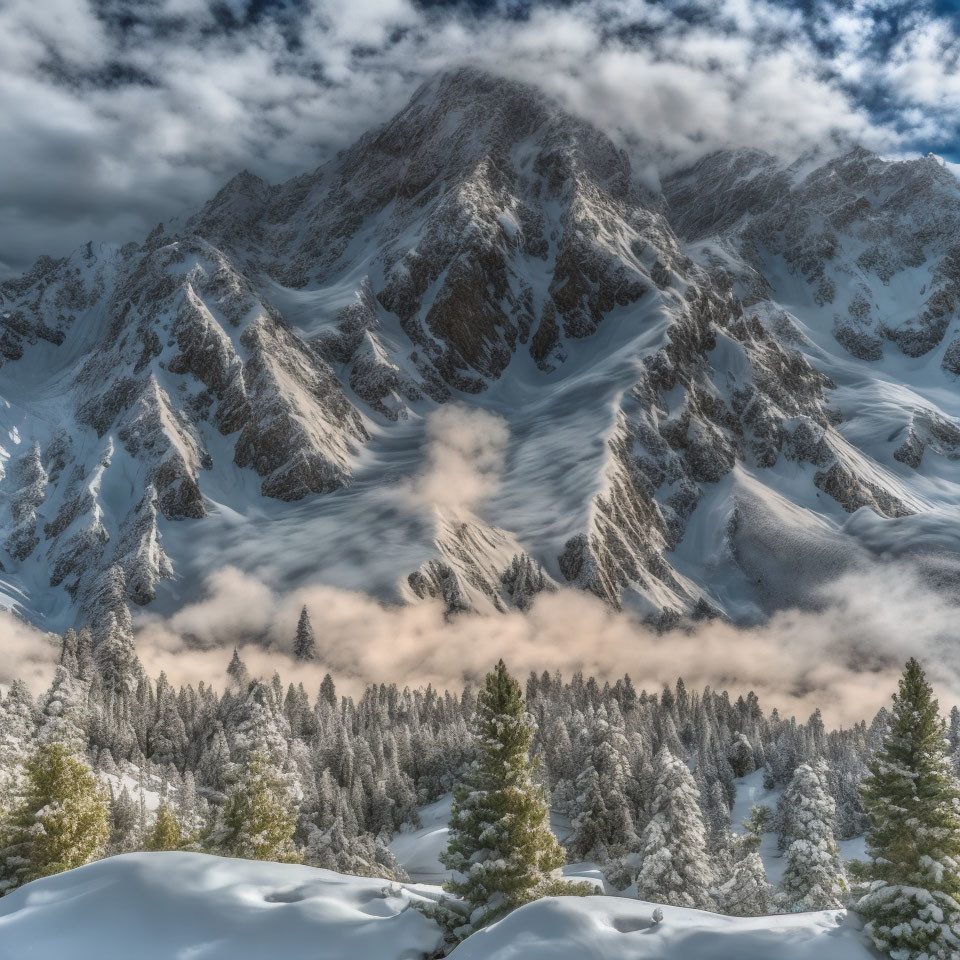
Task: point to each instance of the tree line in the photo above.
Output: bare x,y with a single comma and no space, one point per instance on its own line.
108,761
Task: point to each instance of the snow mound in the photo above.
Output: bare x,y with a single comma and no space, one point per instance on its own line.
571,928
190,906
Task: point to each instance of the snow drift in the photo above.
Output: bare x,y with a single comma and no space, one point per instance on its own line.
187,906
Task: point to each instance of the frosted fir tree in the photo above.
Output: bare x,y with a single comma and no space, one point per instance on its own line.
913,798
305,643
328,691
61,822
237,671
63,712
167,738
115,656
259,818
814,878
500,847
746,893
589,840
603,826
954,738
125,835
741,756
16,732
166,833
675,867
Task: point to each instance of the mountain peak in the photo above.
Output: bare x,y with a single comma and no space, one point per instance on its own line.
235,209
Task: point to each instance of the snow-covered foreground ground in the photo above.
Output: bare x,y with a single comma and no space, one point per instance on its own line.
191,906
188,906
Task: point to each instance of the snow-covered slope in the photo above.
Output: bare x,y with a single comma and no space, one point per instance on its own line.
161,906
716,397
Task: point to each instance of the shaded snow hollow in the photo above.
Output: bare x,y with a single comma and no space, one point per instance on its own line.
191,906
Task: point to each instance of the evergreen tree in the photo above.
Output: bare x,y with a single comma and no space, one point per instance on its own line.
124,821
259,818
16,731
603,826
61,822
305,644
237,671
746,893
500,840
675,867
913,798
328,690
814,878
166,833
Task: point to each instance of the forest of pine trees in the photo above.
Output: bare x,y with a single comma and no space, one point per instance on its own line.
647,781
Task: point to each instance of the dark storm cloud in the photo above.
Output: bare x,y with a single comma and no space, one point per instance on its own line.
115,114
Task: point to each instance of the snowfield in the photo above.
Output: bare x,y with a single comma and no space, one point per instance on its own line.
191,906
608,928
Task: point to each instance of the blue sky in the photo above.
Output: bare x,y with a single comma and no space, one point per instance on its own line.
115,114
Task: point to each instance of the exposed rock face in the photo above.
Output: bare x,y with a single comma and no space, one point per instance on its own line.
357,341
43,303
928,430
483,245
480,568
853,217
299,436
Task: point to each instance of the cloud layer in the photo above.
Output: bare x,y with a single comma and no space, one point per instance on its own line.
116,114
845,659
28,653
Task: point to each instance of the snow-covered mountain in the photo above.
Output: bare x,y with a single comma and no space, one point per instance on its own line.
718,396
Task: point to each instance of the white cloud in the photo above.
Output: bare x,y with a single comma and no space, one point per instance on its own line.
89,155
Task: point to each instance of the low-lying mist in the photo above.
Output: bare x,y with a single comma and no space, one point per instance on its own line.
844,659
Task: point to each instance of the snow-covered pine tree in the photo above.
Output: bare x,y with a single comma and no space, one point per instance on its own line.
62,718
500,840
237,671
741,756
328,690
259,818
675,867
953,736
589,840
305,643
913,798
603,825
746,893
124,823
814,877
62,820
16,730
166,833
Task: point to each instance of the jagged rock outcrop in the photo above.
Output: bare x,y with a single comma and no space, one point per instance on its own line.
303,430
479,568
